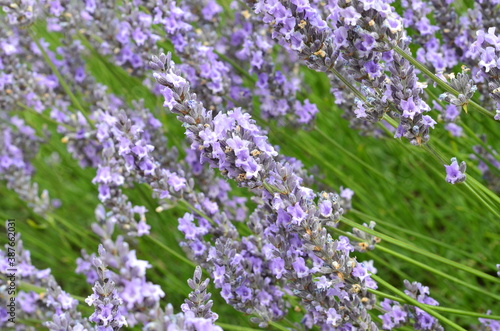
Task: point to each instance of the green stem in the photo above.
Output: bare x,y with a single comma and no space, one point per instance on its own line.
488,192
417,235
234,327
420,251
278,326
414,302
437,272
389,120
196,210
437,308
483,201
354,157
348,84
423,266
43,116
474,137
25,286
170,251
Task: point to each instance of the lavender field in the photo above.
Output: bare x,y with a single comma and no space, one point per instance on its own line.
251,164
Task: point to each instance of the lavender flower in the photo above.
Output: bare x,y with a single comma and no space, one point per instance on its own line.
56,308
232,143
369,241
21,12
361,35
197,314
489,324
135,299
484,47
398,315
198,301
106,301
455,173
465,86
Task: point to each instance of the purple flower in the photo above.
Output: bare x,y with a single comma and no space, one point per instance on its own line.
297,213
454,173
299,265
454,129
346,193
409,108
428,121
245,293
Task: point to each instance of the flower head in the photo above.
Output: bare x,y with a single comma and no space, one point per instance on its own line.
455,173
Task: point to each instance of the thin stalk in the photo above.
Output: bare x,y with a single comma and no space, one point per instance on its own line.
171,251
422,265
196,210
484,189
420,251
478,140
417,235
389,120
70,226
278,326
25,286
348,84
416,303
388,265
234,327
437,272
351,155
43,116
437,308
483,201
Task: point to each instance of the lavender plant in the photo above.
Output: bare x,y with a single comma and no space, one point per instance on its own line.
76,82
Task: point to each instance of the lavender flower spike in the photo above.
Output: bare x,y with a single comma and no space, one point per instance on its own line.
294,222
455,174
196,313
199,300
106,301
465,85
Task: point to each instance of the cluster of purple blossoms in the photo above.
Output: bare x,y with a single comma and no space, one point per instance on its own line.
106,301
123,32
455,173
232,143
360,36
277,89
398,315
196,312
116,132
486,324
53,305
487,48
289,250
21,13
440,56
137,299
238,265
18,146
